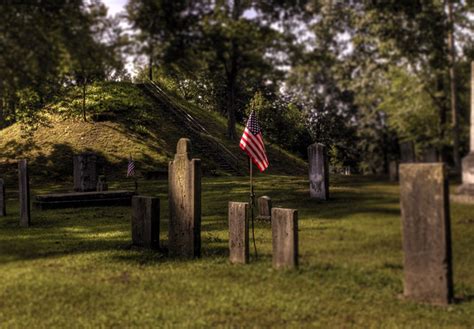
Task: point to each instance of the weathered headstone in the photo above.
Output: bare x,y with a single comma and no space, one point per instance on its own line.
467,186
238,233
285,238
264,208
85,172
24,193
102,184
146,221
3,199
424,200
393,171
184,181
429,155
318,172
407,152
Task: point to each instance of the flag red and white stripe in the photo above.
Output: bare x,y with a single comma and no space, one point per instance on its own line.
252,143
131,167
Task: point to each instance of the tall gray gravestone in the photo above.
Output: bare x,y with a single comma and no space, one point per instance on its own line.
424,201
393,171
285,238
146,222
318,172
467,186
3,199
24,193
238,232
407,152
429,155
184,181
264,208
85,172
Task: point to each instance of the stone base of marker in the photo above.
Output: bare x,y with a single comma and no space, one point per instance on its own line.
102,184
146,222
424,201
285,238
238,233
3,199
264,204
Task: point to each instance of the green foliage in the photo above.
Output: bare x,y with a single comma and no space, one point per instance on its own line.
117,97
282,122
122,120
411,111
222,56
260,105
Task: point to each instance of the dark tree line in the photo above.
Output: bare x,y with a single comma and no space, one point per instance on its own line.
47,46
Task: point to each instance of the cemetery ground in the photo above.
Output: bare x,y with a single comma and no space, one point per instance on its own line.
76,267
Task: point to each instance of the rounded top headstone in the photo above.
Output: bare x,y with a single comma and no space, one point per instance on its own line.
184,146
316,146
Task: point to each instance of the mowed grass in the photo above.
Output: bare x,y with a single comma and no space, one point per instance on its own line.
76,267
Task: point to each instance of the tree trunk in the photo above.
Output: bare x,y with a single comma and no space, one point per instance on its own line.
84,100
231,134
150,64
452,82
442,115
232,78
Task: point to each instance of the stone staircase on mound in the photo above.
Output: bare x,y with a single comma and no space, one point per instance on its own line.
202,140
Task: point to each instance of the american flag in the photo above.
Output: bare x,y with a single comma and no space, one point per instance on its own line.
252,143
131,167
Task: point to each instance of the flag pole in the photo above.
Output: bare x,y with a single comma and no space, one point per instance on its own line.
252,203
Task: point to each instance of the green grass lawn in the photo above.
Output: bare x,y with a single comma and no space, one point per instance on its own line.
76,268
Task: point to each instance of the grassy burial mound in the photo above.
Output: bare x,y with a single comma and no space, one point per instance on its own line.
77,267
127,119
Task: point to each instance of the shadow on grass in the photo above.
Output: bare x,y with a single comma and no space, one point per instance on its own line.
56,233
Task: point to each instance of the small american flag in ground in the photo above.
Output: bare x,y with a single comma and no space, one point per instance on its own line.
252,143
131,167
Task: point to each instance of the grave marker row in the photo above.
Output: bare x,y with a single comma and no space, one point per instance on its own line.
184,196
284,235
424,200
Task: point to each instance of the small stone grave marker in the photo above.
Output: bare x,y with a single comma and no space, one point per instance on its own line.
102,184
285,238
238,233
264,208
85,172
146,222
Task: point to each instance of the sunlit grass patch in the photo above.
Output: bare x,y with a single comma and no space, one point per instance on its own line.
76,267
